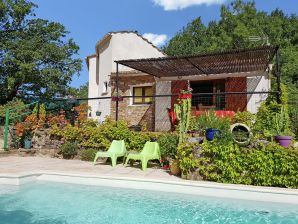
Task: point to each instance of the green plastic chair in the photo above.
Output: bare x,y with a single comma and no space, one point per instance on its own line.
117,149
150,152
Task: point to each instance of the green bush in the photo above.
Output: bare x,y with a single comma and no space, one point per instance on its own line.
244,117
265,126
263,165
187,161
68,150
168,145
92,136
88,154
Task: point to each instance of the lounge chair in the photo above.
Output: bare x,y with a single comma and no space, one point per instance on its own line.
150,152
117,149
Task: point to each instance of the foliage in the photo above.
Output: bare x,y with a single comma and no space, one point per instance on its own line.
244,117
88,154
90,135
281,123
183,112
264,126
35,55
240,20
210,120
168,145
81,92
68,150
24,130
82,112
263,165
187,161
19,109
58,120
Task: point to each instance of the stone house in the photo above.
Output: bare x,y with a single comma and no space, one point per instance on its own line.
145,71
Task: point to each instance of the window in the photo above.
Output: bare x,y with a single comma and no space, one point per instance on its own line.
140,94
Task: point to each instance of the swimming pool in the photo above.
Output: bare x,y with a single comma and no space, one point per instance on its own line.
57,203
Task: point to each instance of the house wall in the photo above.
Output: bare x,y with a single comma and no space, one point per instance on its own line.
162,121
118,46
131,46
257,84
134,114
93,85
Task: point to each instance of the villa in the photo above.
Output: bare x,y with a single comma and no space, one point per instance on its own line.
144,71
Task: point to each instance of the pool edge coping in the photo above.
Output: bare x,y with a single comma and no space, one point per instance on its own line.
233,191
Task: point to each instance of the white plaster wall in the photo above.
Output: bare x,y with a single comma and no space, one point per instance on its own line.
131,46
93,85
119,47
105,64
257,84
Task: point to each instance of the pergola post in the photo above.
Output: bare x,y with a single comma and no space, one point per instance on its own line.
117,90
278,76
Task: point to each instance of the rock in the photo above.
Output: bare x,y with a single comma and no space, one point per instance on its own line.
197,152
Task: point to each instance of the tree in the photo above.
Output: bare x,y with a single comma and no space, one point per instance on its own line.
36,58
81,92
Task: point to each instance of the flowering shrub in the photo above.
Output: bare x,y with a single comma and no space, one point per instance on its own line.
82,112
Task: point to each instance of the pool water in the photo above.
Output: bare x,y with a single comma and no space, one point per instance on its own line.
56,203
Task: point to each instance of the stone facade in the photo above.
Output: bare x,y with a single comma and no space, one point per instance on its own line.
142,114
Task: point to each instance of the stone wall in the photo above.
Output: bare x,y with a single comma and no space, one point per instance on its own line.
162,119
43,140
134,114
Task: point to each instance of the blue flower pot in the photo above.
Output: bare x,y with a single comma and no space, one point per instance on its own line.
27,143
211,133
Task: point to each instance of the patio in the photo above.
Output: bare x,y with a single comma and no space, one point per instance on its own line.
16,166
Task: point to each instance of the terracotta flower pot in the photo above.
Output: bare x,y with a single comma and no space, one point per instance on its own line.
185,96
175,169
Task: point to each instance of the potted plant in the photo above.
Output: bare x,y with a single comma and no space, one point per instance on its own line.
24,132
211,122
241,134
186,94
175,168
281,123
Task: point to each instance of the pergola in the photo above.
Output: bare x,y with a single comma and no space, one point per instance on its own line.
237,62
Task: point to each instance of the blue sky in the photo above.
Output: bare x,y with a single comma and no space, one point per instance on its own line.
89,20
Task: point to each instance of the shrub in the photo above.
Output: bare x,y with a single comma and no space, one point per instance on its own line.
264,165
187,161
19,107
168,145
244,117
88,154
265,126
68,150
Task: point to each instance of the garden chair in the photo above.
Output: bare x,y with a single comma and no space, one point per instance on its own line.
117,149
150,152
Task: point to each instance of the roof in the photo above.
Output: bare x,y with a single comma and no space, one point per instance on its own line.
232,61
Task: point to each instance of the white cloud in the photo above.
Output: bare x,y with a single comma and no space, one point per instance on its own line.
181,4
156,39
